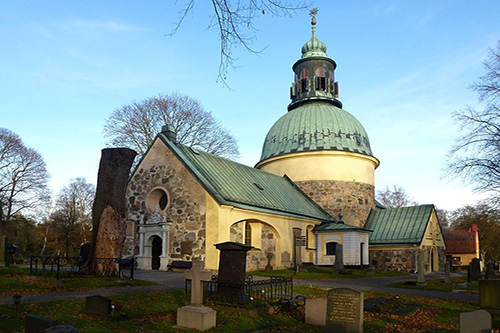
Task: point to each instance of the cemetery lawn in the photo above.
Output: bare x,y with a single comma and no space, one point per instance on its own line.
156,311
440,285
18,281
314,272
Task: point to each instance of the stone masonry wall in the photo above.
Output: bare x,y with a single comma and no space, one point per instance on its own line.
186,208
395,260
353,199
257,260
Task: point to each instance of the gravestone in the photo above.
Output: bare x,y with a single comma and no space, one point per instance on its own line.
316,311
490,271
338,266
344,310
97,305
232,261
475,269
35,323
285,259
478,321
421,268
268,266
384,263
447,272
197,316
489,295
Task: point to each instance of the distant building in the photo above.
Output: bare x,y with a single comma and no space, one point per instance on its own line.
462,246
312,190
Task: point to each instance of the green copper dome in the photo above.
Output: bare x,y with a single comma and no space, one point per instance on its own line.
314,47
314,127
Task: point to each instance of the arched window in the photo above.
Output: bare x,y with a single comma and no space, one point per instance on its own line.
320,78
303,80
248,234
331,247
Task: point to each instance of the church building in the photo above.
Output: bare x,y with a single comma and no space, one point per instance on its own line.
312,189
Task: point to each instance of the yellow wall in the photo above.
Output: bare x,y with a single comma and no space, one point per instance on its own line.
323,165
220,218
433,235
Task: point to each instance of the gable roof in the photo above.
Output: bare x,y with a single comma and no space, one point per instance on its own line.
459,241
399,226
234,184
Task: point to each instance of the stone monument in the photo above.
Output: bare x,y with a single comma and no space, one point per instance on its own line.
474,269
421,268
197,316
447,273
344,310
269,268
338,266
489,296
478,321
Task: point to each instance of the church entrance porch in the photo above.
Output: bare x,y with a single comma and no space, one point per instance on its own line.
154,250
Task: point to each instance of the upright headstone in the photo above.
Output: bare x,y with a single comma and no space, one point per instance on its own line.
489,296
490,271
478,321
344,310
475,269
36,323
338,266
232,261
447,272
97,305
316,311
421,268
197,316
269,268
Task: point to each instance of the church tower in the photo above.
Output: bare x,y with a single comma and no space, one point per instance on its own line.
322,148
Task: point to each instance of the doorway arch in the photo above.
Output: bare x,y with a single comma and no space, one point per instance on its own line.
156,250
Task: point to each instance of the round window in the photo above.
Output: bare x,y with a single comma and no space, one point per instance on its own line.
157,198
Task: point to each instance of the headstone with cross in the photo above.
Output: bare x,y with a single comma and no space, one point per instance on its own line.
197,274
197,316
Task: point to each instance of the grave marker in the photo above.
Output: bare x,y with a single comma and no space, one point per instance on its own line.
344,310
35,323
478,321
475,269
447,273
97,305
196,315
489,296
421,268
316,311
338,266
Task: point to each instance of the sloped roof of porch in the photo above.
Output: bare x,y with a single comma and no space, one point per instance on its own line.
399,226
234,184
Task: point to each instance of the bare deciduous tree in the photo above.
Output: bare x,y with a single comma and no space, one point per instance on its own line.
72,218
476,155
395,197
23,176
235,22
136,125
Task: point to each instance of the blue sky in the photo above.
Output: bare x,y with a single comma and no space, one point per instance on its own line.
403,68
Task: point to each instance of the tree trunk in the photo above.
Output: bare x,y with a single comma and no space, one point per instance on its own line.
109,209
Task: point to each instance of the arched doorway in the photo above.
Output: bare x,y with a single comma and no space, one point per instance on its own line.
156,252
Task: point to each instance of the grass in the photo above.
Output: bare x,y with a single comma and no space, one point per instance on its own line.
440,285
314,272
18,281
150,312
